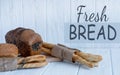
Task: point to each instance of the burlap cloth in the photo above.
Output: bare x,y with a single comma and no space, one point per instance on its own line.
63,52
8,64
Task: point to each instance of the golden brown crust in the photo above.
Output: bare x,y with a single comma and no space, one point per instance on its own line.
29,59
32,65
89,57
20,60
46,50
76,58
8,50
35,58
48,45
35,65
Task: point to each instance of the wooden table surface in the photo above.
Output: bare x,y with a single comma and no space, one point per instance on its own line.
108,66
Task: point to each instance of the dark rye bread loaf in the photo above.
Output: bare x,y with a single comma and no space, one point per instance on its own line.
27,41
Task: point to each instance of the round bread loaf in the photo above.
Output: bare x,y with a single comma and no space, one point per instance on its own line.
8,50
27,41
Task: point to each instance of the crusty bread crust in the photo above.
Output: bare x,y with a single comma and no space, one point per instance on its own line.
27,41
8,50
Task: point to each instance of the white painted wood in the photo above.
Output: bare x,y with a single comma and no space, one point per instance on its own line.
17,13
29,14
0,23
62,68
55,21
51,24
40,18
11,16
67,18
58,13
115,60
113,10
5,17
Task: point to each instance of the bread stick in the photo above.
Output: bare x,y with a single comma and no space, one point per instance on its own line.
32,65
46,50
89,57
83,61
35,58
48,45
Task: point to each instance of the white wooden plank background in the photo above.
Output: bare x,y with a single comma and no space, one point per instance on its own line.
47,17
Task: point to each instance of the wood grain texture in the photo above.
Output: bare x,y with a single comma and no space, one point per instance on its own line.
41,18
62,68
115,57
48,18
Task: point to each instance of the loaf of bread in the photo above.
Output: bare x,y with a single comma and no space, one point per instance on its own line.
8,50
27,41
8,57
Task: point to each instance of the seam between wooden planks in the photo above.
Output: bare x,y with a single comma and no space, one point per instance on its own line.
111,62
79,69
42,73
